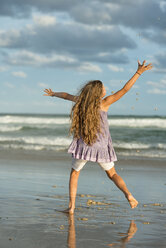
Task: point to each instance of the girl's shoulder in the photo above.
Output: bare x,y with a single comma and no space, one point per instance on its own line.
103,108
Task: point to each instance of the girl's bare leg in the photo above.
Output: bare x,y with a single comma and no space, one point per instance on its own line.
122,186
74,175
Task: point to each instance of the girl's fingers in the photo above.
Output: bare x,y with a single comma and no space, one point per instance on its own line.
48,92
45,90
144,62
148,67
143,66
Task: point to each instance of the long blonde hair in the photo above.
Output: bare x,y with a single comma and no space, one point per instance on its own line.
85,115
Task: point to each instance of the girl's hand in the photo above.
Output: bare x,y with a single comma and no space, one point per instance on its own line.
49,92
143,67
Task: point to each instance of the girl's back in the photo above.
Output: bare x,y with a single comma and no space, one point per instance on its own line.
101,151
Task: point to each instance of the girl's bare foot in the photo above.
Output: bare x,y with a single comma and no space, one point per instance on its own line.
69,211
132,201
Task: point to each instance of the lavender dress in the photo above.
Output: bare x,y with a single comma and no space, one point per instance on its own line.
101,151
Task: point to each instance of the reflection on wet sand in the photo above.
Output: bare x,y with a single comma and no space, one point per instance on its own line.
71,240
127,236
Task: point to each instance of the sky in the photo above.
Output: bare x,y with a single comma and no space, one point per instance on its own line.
62,45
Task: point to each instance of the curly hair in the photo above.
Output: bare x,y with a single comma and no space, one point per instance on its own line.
85,115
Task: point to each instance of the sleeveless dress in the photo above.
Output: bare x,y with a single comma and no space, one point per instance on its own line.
101,151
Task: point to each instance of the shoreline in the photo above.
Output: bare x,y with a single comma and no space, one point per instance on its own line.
51,156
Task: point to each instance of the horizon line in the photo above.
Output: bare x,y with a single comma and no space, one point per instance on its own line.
29,113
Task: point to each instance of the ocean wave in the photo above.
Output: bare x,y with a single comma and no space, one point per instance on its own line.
45,141
4,128
65,142
133,122
138,145
126,153
146,154
10,128
33,120
138,122
32,147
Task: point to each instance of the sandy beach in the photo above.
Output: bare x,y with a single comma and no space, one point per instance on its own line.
34,189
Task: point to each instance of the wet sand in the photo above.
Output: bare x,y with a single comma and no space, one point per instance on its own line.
34,190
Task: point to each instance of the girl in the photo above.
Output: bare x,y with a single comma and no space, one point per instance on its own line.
91,137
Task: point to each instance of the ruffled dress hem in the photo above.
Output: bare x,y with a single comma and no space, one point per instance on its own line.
98,154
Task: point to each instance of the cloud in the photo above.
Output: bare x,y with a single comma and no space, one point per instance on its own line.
44,20
89,67
116,57
3,68
26,58
9,85
159,61
149,16
115,68
8,39
93,13
93,33
156,36
134,14
160,84
157,91
22,9
71,38
135,86
69,42
163,5
43,85
157,87
19,74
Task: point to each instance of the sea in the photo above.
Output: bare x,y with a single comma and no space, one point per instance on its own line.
138,136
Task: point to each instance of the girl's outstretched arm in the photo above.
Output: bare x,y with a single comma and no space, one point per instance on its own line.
63,95
107,101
